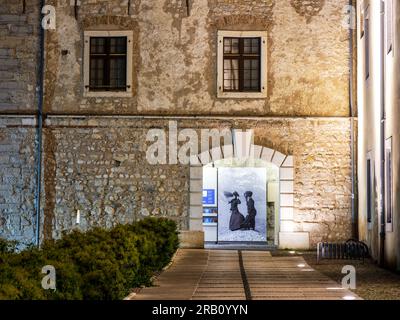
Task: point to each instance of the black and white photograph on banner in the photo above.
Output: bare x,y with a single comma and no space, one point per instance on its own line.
242,203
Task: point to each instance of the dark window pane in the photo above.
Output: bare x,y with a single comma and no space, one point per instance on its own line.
108,62
97,45
231,74
97,71
235,46
247,84
254,74
247,45
255,46
227,45
118,72
231,85
242,64
118,45
255,64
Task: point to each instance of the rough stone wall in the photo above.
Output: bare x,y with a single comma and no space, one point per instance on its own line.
101,169
18,55
175,56
322,194
17,180
98,166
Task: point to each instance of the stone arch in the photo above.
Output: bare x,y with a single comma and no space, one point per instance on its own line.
288,238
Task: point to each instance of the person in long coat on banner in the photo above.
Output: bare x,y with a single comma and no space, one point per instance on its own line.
237,218
250,221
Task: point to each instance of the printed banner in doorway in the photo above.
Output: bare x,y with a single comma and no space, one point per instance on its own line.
242,204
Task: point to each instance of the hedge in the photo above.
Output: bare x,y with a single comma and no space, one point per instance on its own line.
96,265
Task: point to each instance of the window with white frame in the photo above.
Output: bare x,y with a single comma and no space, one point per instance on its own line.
389,25
389,184
242,64
108,63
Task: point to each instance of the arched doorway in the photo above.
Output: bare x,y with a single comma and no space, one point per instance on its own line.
286,235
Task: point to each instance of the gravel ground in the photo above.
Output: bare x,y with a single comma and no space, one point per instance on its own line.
242,236
373,283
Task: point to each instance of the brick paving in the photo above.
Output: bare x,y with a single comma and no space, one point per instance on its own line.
234,275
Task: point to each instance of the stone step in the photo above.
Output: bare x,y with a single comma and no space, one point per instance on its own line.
10,85
8,64
6,52
8,105
6,75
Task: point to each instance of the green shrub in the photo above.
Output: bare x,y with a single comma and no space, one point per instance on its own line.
7,246
96,265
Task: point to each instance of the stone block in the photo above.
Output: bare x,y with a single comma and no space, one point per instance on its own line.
196,224
10,85
286,174
287,226
278,158
287,213
267,154
191,239
287,186
216,154
4,52
294,240
196,186
196,173
195,161
228,151
205,157
287,200
289,162
255,152
196,198
196,212
11,18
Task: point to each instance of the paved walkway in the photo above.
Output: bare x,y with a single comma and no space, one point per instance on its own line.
241,275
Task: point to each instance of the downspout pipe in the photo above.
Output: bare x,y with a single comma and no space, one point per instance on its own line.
354,207
382,138
39,128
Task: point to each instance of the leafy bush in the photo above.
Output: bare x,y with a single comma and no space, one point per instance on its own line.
96,265
7,246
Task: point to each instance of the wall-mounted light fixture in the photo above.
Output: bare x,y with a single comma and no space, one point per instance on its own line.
78,216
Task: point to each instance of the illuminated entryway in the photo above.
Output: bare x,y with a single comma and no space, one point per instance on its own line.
252,188
284,235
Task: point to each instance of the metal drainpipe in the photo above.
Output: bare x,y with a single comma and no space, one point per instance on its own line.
39,130
382,136
354,211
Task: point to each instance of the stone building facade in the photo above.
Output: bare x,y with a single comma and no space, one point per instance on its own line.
379,157
94,146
